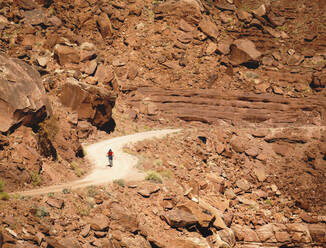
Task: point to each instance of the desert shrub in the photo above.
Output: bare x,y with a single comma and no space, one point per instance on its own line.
2,185
158,163
91,191
166,173
48,130
153,176
36,178
4,196
83,211
119,182
66,191
269,202
42,212
77,170
49,127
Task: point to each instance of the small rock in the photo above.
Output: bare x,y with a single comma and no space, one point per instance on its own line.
253,152
179,218
266,233
243,184
229,193
3,20
223,46
291,51
247,201
209,28
89,67
260,173
56,203
220,148
65,54
99,222
39,237
100,234
274,188
244,15
261,11
120,61
308,218
211,48
282,236
104,74
85,230
148,190
185,26
42,61
104,25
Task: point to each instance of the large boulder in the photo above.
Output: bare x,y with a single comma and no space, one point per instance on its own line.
244,51
92,103
22,95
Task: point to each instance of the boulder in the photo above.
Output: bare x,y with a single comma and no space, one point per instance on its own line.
66,54
204,218
260,173
56,203
244,233
35,17
22,95
244,51
261,11
209,28
123,219
243,15
266,233
223,46
239,144
179,218
99,222
104,25
92,103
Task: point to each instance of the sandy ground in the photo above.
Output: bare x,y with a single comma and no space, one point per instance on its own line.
123,163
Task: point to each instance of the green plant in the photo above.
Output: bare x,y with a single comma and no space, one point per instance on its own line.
147,128
36,178
78,171
2,185
50,127
166,173
157,163
66,191
83,211
119,182
269,202
91,191
153,176
47,132
50,194
4,196
42,212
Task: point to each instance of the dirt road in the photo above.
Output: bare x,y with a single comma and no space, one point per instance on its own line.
123,163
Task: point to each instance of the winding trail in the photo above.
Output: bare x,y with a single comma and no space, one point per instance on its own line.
123,163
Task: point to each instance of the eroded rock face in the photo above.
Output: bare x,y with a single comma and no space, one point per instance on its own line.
22,95
92,103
